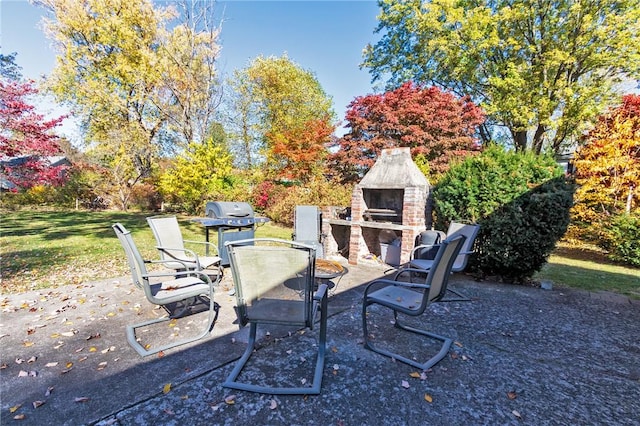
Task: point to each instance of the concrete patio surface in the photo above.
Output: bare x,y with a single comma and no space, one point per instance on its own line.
521,355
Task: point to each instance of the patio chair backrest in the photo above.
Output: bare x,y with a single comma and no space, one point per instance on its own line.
307,227
470,232
273,280
135,260
167,232
438,276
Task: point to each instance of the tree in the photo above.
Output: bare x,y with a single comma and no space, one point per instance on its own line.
8,67
301,152
436,125
139,88
27,136
287,102
541,68
608,164
242,121
189,91
200,173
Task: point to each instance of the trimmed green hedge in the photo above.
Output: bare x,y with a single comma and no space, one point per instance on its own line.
521,202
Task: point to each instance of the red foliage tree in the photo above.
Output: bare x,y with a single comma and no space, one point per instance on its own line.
300,153
26,137
431,122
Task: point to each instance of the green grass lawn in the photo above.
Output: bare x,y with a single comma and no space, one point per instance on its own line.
589,269
45,248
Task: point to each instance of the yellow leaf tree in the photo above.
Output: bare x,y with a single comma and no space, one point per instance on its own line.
608,165
138,88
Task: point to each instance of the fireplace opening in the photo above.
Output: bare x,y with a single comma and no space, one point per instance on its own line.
383,205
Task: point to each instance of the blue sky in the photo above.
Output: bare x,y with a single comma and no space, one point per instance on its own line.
324,37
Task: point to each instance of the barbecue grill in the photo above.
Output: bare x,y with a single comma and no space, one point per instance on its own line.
232,220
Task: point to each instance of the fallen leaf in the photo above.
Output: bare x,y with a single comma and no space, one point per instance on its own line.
55,335
84,358
230,400
93,349
428,398
415,375
51,364
334,349
81,399
273,405
160,354
405,384
19,417
512,395
69,364
27,344
166,388
15,408
37,404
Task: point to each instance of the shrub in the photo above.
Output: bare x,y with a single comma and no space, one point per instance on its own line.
520,200
280,200
621,238
145,197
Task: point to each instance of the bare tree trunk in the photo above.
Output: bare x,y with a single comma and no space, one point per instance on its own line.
520,140
538,139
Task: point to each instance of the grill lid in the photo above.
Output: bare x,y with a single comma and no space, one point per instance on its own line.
228,209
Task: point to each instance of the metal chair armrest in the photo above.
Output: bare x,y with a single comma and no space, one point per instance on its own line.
206,243
403,270
167,251
321,293
422,246
374,285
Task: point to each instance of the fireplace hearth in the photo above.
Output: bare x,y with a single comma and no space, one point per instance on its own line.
392,196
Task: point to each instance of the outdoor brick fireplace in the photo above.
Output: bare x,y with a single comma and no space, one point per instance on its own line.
389,201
